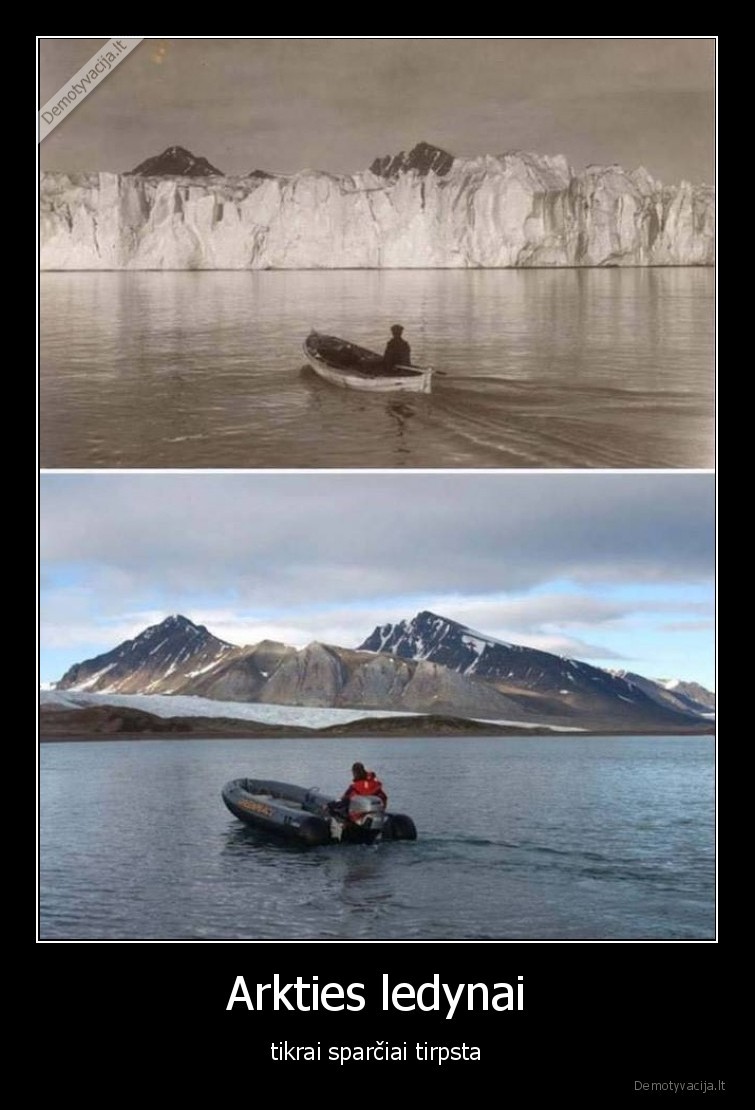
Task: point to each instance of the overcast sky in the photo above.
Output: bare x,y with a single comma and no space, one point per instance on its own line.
334,104
616,569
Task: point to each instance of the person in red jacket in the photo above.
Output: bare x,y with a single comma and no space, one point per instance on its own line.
364,782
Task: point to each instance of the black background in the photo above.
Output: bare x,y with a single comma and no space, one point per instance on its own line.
597,1018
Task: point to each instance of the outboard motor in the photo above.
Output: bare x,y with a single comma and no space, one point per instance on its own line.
367,811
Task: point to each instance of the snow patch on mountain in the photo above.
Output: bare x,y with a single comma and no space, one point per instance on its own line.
87,683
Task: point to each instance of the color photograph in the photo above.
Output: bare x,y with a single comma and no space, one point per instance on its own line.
354,707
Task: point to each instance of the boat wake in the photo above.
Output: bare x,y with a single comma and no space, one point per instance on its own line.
508,422
498,421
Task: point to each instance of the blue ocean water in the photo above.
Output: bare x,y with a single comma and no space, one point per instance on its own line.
530,839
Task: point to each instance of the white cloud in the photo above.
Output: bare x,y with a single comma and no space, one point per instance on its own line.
329,556
288,539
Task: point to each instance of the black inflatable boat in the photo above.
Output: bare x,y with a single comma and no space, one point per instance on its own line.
301,814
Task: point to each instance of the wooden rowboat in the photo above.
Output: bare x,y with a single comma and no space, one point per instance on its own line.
351,367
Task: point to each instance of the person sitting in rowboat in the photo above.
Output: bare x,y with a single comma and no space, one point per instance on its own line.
397,351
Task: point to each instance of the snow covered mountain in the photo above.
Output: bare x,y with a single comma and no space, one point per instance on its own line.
428,665
521,672
180,657
426,208
692,690
165,653
688,697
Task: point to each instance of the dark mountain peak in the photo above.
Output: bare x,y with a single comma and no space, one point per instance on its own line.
179,620
426,615
175,624
263,175
423,618
176,161
431,636
175,646
436,639
424,158
428,150
427,621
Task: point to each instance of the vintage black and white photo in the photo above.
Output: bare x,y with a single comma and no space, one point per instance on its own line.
230,229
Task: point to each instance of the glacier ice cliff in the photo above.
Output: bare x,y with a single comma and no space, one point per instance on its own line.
511,210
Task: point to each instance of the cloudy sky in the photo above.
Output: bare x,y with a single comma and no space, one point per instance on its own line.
334,104
616,569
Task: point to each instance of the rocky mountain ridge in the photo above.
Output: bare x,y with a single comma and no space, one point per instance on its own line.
518,671
427,665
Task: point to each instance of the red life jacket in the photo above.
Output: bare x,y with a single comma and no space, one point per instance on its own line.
369,785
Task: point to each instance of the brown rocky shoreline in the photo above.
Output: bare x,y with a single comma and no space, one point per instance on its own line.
122,723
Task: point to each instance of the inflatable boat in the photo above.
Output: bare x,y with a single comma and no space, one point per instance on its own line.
301,814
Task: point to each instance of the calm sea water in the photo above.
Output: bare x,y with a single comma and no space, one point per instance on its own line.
583,838
539,368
